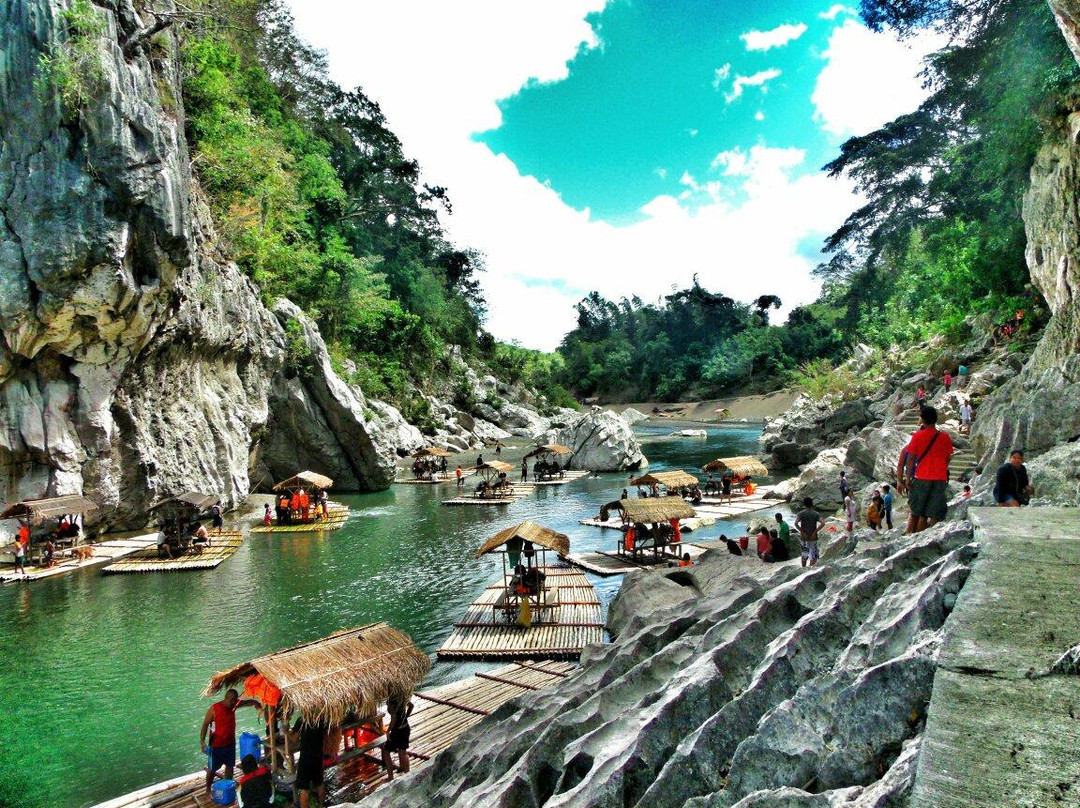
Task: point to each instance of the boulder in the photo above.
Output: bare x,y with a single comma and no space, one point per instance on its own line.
790,454
1054,475
874,452
600,441
820,480
632,416
690,433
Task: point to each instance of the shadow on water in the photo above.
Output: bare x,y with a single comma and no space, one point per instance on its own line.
101,674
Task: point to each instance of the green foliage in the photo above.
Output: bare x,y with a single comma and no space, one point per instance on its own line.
72,69
818,379
298,356
941,236
314,199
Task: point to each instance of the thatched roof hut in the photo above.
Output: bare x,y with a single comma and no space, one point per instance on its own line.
550,448
36,509
496,466
656,509
353,671
431,451
744,464
305,479
671,479
531,532
193,499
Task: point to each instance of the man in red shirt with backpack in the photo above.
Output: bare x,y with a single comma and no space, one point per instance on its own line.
923,470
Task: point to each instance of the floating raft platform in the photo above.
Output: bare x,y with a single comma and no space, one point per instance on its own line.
520,491
709,511
337,515
102,553
571,621
222,545
440,717
612,563
567,477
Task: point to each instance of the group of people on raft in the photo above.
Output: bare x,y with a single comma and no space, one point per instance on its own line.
178,536
425,468
656,536
300,507
543,470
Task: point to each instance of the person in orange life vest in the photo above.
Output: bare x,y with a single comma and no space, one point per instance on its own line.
294,504
628,541
220,720
676,532
686,562
305,504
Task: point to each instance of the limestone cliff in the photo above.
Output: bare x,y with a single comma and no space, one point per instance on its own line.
135,360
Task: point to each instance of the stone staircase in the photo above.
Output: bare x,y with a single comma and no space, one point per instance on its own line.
963,461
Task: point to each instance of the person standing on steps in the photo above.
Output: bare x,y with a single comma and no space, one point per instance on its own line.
886,499
807,522
845,488
961,377
1013,488
965,417
923,471
946,379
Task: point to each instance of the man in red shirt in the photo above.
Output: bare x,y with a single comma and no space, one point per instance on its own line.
923,470
220,719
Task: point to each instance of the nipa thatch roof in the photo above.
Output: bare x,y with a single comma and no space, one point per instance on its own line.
48,508
305,479
193,498
656,509
550,448
495,465
531,532
744,464
672,479
431,451
353,671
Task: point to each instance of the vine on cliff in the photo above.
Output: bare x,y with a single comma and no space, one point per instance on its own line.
72,68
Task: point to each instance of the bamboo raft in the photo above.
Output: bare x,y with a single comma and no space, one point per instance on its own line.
103,553
611,563
222,545
337,515
567,477
709,511
560,631
440,717
519,491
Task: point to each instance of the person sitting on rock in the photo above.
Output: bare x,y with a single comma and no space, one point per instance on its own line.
764,544
780,550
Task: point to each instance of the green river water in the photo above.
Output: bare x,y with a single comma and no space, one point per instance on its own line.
100,675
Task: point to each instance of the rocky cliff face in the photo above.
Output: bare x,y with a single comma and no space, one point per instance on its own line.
135,361
734,683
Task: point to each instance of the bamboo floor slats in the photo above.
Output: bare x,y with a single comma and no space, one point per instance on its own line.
559,632
613,563
222,545
439,718
437,479
520,491
103,553
568,477
337,515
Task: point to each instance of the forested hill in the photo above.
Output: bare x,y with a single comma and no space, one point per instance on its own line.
937,250
317,202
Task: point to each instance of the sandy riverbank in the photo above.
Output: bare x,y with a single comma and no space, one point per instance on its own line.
756,408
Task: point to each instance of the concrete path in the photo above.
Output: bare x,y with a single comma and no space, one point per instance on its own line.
1001,731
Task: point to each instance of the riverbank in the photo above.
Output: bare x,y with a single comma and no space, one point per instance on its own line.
740,409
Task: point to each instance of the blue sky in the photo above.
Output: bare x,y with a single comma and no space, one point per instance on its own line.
624,146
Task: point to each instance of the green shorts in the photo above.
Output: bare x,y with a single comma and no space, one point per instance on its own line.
929,499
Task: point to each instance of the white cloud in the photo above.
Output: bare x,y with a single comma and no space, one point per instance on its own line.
759,115
836,10
760,79
720,75
438,83
774,38
869,78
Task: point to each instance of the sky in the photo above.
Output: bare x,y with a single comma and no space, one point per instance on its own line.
625,146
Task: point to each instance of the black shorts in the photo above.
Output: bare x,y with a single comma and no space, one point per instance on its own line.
398,739
309,773
929,499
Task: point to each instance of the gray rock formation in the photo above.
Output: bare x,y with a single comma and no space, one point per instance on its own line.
632,416
820,480
135,362
758,685
600,441
812,425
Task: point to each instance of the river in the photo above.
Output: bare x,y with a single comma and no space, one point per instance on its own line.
100,675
